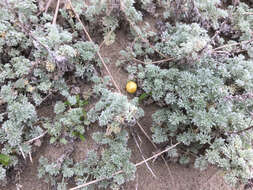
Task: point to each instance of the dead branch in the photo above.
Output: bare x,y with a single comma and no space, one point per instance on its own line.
30,156
248,13
115,84
48,5
154,62
36,138
121,171
233,44
144,132
56,12
142,155
21,150
98,53
135,29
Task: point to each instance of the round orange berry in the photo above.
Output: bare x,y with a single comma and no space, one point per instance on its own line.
131,87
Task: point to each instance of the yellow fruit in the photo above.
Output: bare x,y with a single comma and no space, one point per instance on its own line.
131,87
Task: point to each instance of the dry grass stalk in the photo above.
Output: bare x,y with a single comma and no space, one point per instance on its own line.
121,171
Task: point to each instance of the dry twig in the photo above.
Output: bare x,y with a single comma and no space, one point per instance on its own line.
121,171
233,44
154,62
248,13
104,64
18,187
21,150
142,155
36,138
136,186
56,12
30,156
114,82
143,131
48,5
45,8
98,53
122,7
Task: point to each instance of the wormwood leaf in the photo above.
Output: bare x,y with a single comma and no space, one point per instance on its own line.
110,38
77,134
5,159
143,96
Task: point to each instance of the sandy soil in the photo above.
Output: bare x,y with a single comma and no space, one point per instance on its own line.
182,178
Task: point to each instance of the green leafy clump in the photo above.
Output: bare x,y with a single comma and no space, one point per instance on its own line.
191,58
183,40
208,13
114,112
35,57
4,159
114,109
70,119
112,159
205,106
52,170
205,96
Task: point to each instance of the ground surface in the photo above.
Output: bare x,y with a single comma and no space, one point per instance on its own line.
182,178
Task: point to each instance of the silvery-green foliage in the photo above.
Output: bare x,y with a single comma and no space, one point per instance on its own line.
183,40
85,168
36,131
54,35
95,8
130,11
85,71
35,54
240,70
2,173
7,93
200,110
210,10
108,14
206,99
86,50
13,133
21,66
114,107
240,154
205,94
21,111
20,114
70,118
59,107
49,171
206,12
62,185
242,21
114,111
114,158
